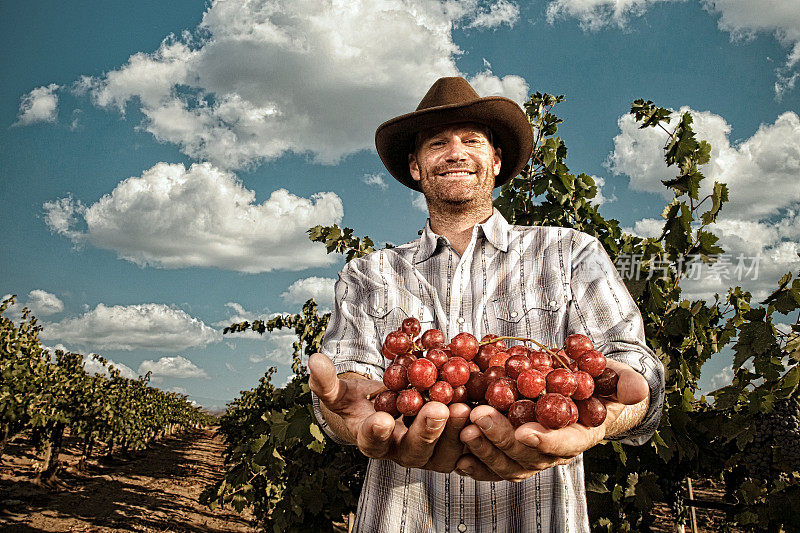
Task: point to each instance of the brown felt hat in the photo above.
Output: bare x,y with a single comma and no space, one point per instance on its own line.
450,101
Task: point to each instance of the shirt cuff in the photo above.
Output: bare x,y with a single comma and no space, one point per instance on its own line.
366,370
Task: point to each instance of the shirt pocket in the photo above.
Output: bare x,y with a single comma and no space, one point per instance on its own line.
537,314
390,308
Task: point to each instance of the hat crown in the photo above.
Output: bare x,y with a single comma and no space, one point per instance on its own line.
448,91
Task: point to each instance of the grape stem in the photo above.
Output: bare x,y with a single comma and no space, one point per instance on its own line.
525,339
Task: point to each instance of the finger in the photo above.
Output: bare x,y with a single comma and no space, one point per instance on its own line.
449,447
493,458
323,380
632,387
565,443
499,431
471,466
373,438
418,444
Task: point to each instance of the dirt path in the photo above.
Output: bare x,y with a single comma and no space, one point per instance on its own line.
156,490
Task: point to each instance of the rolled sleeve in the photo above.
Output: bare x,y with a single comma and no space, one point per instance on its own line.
602,308
350,340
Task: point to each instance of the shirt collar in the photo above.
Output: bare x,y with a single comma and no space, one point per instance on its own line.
495,230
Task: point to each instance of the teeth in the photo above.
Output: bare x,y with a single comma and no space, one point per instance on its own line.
457,174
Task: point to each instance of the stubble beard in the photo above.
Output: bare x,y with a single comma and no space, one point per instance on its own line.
477,199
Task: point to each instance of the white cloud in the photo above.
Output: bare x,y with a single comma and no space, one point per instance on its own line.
39,105
93,366
418,201
321,289
722,378
375,180
745,18
143,326
172,367
599,199
761,172
502,12
278,348
44,303
258,79
171,217
594,14
758,227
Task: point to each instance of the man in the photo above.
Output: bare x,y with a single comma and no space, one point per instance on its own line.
457,469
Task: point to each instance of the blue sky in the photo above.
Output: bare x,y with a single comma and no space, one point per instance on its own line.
160,162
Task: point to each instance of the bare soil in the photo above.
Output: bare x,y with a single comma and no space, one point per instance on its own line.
155,490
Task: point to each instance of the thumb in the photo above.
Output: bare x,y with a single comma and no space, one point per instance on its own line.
323,380
632,387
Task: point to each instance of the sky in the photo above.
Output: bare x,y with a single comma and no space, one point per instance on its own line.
160,163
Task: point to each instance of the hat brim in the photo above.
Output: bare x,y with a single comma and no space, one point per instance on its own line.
511,131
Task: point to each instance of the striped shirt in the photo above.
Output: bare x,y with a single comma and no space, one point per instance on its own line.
536,282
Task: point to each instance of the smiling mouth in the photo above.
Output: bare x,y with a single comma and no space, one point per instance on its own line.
456,174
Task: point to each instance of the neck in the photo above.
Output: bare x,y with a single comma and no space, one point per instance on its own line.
456,222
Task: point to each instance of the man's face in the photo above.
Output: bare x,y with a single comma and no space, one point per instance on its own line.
455,164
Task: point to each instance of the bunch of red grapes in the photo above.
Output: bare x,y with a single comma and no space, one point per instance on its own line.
554,388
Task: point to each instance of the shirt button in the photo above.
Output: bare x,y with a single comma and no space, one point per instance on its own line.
553,303
462,527
513,314
380,309
460,320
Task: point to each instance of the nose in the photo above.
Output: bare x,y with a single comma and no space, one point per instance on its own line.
456,151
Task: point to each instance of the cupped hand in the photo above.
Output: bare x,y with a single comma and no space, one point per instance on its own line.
500,452
432,442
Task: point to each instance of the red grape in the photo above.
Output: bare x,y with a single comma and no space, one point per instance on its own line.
591,412
464,345
573,409
455,371
387,402
517,364
593,362
606,383
501,394
585,385
441,391
552,410
411,326
500,345
518,349
485,354
406,359
422,374
576,344
459,395
397,342
433,338
531,383
494,372
409,402
499,359
437,357
476,386
522,412
395,377
562,381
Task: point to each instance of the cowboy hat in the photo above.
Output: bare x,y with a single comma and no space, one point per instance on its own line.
450,101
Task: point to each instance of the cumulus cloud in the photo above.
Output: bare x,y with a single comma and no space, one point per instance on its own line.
39,105
745,18
257,79
173,217
142,326
277,350
758,227
418,201
761,172
594,14
93,366
43,303
497,14
375,180
172,367
321,289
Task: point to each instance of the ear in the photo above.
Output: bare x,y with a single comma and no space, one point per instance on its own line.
497,161
413,167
